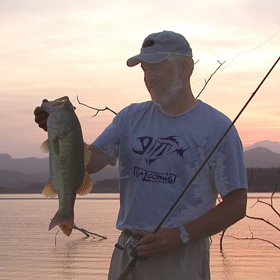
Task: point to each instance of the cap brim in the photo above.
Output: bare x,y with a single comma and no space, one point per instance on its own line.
146,57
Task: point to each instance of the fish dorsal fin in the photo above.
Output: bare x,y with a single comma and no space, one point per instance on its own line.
86,186
45,146
49,190
87,154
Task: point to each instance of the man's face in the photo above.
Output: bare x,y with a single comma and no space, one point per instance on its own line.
162,80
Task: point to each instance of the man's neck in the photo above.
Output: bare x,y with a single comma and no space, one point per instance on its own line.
181,104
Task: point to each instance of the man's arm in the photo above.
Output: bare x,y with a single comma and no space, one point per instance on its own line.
225,214
98,160
228,212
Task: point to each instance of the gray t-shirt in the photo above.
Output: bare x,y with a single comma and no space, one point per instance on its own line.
158,154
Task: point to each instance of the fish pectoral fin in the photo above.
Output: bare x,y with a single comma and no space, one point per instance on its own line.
45,146
87,154
49,190
86,186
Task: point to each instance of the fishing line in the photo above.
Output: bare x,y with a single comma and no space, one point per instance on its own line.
253,49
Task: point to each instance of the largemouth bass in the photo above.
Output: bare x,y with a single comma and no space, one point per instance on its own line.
68,157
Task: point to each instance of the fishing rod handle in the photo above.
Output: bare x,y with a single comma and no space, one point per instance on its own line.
128,268
124,273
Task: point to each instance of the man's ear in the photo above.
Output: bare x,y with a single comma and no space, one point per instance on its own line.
187,67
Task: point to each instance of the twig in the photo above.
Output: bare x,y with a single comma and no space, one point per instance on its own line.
96,109
221,239
271,197
275,190
264,220
208,80
88,233
270,205
56,237
251,177
255,238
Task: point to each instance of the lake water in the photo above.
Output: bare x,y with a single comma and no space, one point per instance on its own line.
30,251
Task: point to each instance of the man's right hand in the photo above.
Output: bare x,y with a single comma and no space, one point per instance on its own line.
41,116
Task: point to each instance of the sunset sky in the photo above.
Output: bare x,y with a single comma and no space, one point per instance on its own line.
49,49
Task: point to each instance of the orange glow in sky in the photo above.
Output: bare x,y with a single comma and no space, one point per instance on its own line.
49,49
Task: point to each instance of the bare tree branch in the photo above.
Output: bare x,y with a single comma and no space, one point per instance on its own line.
88,233
96,109
269,205
221,239
85,232
208,80
263,220
222,235
255,238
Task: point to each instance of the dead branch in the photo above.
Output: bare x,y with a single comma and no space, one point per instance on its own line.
255,238
251,177
208,80
275,189
247,238
263,220
88,233
85,232
221,239
96,109
271,205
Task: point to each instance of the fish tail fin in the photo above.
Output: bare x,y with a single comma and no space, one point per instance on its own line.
65,222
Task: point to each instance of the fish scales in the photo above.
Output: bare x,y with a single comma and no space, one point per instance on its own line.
68,156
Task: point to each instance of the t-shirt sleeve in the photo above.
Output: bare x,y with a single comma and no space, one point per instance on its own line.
109,140
229,172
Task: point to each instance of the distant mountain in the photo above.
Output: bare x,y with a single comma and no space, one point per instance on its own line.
13,179
261,158
33,166
31,174
24,165
271,145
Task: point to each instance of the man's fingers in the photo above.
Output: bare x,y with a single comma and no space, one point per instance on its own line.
41,117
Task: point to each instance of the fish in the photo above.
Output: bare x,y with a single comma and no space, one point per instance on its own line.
68,158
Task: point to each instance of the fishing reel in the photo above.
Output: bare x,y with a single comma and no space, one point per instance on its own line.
132,243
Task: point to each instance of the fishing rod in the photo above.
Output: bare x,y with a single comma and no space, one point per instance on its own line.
134,259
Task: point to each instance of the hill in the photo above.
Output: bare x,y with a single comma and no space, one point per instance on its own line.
262,158
271,145
24,165
38,169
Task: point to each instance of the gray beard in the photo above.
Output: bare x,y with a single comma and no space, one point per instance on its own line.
165,97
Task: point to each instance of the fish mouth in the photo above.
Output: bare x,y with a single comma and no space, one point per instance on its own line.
60,101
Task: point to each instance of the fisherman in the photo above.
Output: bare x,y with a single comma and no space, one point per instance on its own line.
160,144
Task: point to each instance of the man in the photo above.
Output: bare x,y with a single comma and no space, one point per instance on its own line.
160,144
